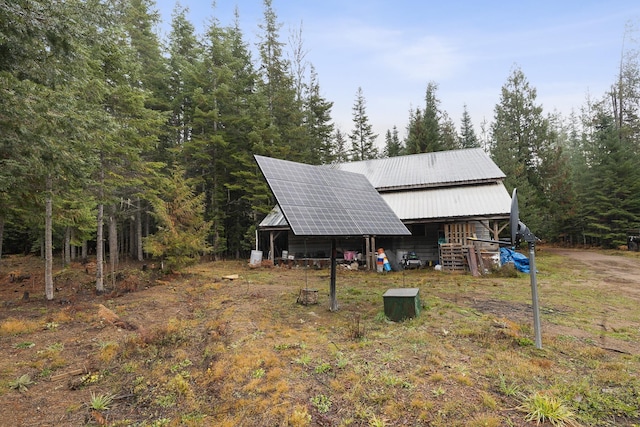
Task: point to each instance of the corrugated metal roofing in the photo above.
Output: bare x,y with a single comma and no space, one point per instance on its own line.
427,170
275,218
478,201
484,200
431,186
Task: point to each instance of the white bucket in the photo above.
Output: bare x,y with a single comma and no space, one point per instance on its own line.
256,258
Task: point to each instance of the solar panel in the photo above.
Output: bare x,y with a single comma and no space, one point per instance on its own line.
319,201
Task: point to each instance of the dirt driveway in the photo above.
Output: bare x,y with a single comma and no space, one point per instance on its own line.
618,272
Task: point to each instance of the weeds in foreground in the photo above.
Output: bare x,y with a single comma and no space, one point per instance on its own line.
322,403
100,402
17,327
542,407
212,364
356,328
21,383
510,389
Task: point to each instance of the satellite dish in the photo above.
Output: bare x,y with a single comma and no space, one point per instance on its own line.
519,231
514,217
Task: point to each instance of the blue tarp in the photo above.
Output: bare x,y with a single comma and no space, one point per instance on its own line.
520,261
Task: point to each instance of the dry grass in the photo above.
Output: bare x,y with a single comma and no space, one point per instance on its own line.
211,351
13,326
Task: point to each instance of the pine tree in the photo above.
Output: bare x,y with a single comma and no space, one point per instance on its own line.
425,131
318,123
611,195
184,54
125,129
340,151
362,136
248,196
43,84
448,135
433,133
182,231
520,145
393,146
467,138
284,136
416,135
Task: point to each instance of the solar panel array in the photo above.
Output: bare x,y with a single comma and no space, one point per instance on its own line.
319,201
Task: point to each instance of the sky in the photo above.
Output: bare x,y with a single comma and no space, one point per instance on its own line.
567,49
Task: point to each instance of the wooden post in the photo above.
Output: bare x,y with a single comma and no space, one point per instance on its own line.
271,246
372,254
367,250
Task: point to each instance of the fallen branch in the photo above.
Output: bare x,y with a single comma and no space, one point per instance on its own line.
64,375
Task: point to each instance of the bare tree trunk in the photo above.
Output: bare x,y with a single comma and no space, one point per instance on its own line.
1,234
67,247
113,243
74,248
138,233
85,251
147,226
100,235
99,250
132,252
48,244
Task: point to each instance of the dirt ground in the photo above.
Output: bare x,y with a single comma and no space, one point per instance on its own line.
55,400
613,272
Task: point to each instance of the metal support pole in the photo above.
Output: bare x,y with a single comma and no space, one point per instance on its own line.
333,304
534,294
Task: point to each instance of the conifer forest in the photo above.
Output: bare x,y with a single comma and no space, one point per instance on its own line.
109,133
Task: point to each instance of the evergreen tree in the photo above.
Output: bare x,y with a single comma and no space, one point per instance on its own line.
448,135
433,133
520,144
318,123
609,194
467,138
284,136
362,136
184,54
206,156
426,132
43,82
416,134
182,231
393,146
141,18
126,129
340,151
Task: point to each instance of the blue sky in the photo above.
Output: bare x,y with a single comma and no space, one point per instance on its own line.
392,49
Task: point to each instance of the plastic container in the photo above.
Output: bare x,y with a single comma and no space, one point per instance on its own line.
256,258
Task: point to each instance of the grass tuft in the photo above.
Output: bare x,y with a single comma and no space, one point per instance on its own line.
100,402
543,407
13,326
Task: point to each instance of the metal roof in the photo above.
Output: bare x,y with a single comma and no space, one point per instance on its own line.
427,170
490,200
470,201
460,184
274,219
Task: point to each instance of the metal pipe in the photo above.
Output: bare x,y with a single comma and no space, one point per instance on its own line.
534,294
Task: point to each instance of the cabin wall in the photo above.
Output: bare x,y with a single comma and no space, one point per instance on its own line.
424,241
